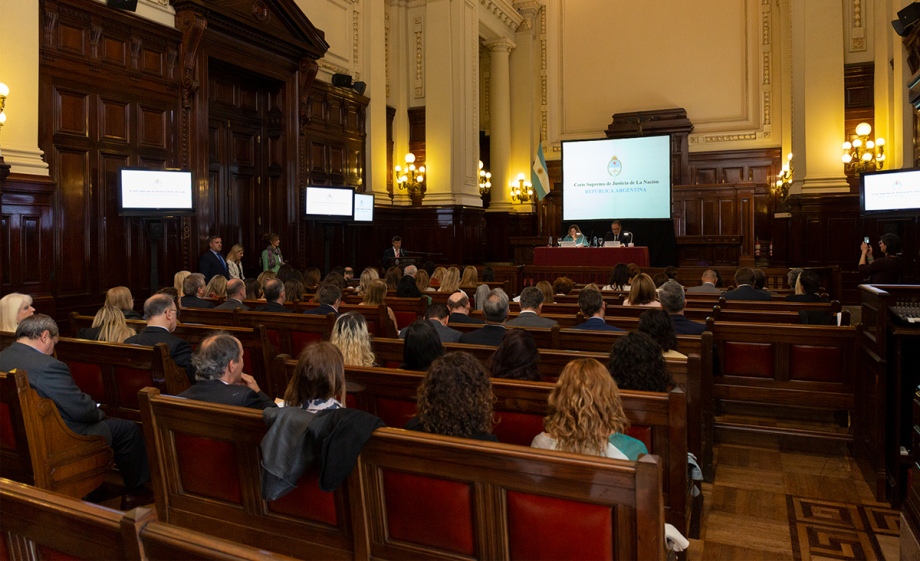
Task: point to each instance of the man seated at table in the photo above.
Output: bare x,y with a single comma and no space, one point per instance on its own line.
616,234
593,307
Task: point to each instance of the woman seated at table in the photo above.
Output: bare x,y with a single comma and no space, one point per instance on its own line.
455,399
586,416
576,236
642,292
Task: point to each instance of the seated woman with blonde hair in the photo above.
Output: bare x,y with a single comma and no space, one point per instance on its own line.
14,307
121,298
179,279
217,287
643,292
376,295
434,283
318,381
586,416
351,337
470,277
109,325
450,282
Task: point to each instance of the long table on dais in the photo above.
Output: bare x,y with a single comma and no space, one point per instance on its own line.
590,256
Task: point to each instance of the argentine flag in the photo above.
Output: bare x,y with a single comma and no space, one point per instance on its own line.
539,177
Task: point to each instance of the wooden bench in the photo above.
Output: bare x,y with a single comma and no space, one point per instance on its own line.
412,495
659,420
257,349
38,448
377,318
802,372
36,522
112,373
406,310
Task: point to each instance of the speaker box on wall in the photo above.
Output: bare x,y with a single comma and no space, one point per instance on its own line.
129,5
910,15
341,80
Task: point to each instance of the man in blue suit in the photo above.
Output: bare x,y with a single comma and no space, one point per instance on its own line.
212,263
671,296
593,307
495,311
744,280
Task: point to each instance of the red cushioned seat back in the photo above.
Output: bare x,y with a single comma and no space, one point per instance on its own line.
643,433
131,381
48,554
208,467
307,501
517,428
302,339
395,412
274,337
7,436
391,364
748,359
816,364
403,319
88,378
429,512
547,528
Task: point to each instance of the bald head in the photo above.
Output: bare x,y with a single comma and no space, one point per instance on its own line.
236,289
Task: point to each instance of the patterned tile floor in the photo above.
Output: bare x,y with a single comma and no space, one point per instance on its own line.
772,504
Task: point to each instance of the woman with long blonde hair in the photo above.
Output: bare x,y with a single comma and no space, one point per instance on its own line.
375,295
450,282
434,283
217,287
367,275
109,325
120,297
14,307
350,336
586,416
470,277
235,262
422,281
179,280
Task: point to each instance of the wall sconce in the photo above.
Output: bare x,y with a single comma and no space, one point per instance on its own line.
4,91
485,180
521,190
410,178
783,183
863,154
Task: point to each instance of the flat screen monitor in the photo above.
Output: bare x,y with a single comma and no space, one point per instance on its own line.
334,204
364,208
627,178
154,192
893,192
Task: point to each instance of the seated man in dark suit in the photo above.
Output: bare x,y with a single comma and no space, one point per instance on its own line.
593,307
671,296
212,263
330,298
236,293
218,364
744,281
162,318
709,279
616,234
274,297
406,287
810,283
458,304
531,304
495,311
35,339
437,315
193,287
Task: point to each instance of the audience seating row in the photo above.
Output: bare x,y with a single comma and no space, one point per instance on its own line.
38,448
411,494
35,523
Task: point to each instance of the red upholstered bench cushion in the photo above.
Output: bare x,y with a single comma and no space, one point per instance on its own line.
7,438
88,378
749,359
395,412
208,467
547,528
301,339
641,432
816,364
517,428
308,501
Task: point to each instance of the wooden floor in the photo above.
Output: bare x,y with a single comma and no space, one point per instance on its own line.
767,503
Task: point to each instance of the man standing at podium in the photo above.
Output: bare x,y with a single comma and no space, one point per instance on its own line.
616,234
392,254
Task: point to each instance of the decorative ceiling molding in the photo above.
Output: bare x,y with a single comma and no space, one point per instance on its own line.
504,11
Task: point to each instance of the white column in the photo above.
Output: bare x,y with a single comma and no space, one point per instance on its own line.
500,123
19,46
525,97
374,74
451,131
817,102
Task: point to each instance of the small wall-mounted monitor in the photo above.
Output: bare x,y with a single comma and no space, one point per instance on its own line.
334,204
894,192
155,192
364,208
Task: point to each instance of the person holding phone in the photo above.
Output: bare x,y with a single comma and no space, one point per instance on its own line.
884,270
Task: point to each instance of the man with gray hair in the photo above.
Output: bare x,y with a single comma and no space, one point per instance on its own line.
218,362
531,305
193,287
51,378
236,293
709,284
671,296
406,287
162,319
495,311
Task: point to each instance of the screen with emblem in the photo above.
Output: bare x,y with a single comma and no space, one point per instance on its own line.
155,192
625,178
892,192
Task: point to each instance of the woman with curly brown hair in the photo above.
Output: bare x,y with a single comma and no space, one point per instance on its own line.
455,399
636,363
517,357
586,416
